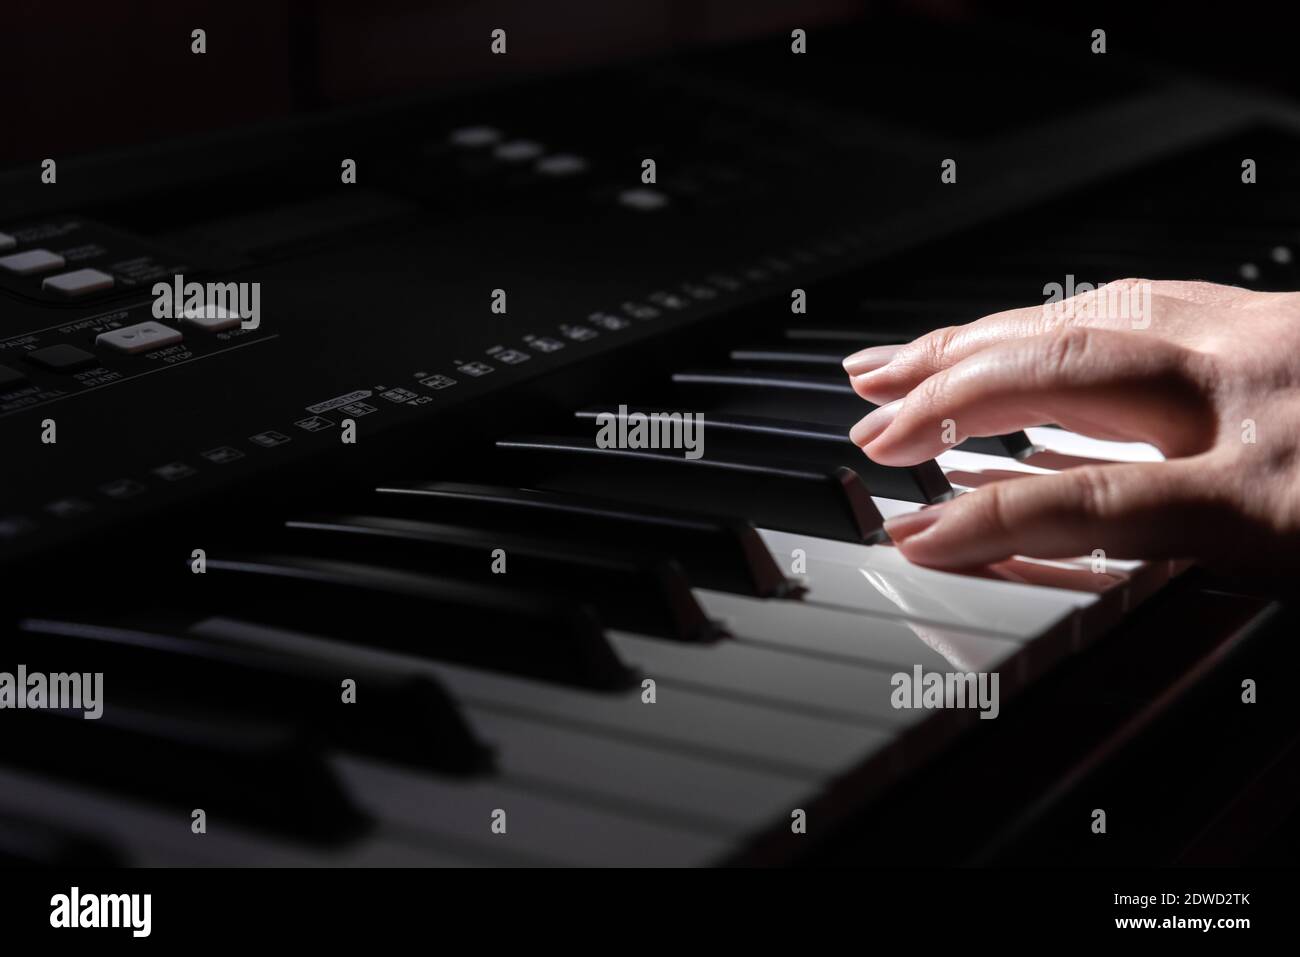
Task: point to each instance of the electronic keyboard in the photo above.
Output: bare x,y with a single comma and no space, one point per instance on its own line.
362,584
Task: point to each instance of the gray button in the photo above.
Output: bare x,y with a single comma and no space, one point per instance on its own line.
561,164
141,337
210,318
643,199
80,282
7,241
517,151
32,261
474,136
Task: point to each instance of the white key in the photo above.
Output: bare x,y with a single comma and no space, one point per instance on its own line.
704,794
973,469
548,828
1071,443
696,722
7,241
966,470
878,579
870,640
832,688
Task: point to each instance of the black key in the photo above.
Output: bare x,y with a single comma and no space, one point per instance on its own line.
720,553
259,773
801,396
794,498
648,596
404,718
816,357
500,629
821,446
30,842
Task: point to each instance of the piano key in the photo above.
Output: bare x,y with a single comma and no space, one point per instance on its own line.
719,553
971,470
751,672
821,446
834,504
550,829
628,592
258,772
39,842
879,580
154,838
825,399
404,718
498,628
743,733
819,356
877,641
1071,443
589,765
692,791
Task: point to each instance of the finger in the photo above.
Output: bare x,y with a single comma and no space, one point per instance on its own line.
1127,304
1109,385
1148,510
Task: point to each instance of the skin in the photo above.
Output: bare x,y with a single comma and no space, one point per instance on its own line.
1185,373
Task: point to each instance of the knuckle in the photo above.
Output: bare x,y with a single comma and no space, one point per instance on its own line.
937,346
930,395
1096,492
1065,349
989,508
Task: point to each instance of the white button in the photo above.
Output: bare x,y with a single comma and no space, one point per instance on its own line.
79,282
643,199
210,318
139,338
7,241
474,136
561,164
32,261
517,151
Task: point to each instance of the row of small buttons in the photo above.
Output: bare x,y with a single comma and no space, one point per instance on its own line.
79,282
130,340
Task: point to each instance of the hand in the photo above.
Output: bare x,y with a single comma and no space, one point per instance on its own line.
1208,374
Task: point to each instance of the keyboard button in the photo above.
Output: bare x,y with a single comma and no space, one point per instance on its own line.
31,262
62,358
561,164
80,282
10,378
212,318
471,137
518,151
644,200
7,241
142,337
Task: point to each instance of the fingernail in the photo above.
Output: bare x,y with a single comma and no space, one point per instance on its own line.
874,423
902,527
870,359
